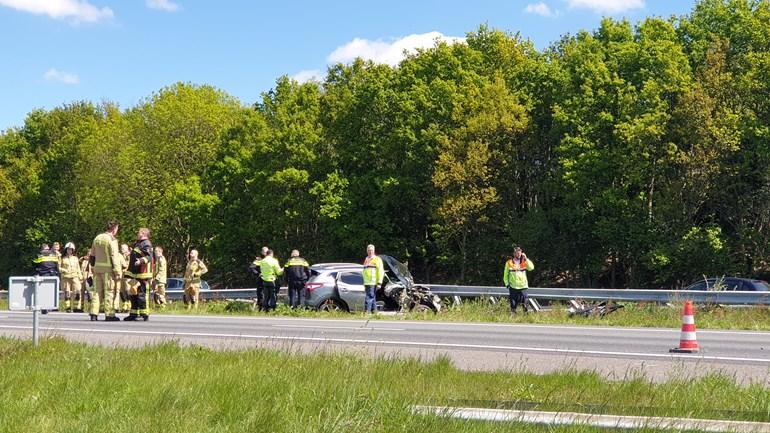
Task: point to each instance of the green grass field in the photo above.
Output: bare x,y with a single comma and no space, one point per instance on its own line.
67,387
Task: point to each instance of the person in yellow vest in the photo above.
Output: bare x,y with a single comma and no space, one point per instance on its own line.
71,276
106,267
192,279
374,272
159,278
138,276
515,279
255,268
86,284
270,271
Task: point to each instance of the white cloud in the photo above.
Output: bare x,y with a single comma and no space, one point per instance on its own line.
61,77
607,6
389,52
163,5
540,9
77,10
308,75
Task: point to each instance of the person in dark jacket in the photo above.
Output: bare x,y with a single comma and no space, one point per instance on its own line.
138,275
46,262
297,272
255,268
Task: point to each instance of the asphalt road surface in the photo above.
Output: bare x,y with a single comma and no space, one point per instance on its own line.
616,353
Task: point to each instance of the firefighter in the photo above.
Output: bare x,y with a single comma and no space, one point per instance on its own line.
515,279
138,276
123,301
46,262
374,272
86,284
71,276
192,279
105,263
159,278
256,270
297,272
270,270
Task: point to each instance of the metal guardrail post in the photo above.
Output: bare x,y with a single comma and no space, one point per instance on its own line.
35,311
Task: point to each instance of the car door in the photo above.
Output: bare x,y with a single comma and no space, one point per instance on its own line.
350,286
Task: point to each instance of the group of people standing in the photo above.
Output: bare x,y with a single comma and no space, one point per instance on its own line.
267,270
116,278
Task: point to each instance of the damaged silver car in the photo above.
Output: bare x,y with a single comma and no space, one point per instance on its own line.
340,287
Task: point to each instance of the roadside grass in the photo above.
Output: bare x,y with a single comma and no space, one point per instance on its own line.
70,387
483,310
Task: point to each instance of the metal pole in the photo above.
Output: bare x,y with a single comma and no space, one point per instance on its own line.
35,312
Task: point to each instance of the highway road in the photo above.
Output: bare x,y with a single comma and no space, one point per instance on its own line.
616,353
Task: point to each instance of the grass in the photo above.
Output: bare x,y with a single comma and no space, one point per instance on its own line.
68,387
632,315
482,310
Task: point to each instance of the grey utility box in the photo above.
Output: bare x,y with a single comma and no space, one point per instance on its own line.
21,293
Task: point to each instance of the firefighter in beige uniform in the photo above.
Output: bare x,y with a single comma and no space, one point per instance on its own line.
71,276
106,268
192,279
159,278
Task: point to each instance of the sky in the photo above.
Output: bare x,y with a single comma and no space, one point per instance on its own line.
60,51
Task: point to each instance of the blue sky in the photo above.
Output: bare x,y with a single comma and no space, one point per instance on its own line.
58,51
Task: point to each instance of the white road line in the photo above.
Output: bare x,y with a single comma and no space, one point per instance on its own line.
428,323
348,328
670,356
595,420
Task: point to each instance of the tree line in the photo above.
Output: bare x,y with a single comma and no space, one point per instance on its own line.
633,155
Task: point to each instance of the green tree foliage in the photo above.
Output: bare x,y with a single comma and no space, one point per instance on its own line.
631,155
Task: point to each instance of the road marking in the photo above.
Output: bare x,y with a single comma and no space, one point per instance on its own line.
595,420
348,328
671,356
428,323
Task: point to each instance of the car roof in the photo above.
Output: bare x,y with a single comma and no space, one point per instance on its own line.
324,266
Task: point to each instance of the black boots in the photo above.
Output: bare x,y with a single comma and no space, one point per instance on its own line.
145,317
130,318
111,319
94,317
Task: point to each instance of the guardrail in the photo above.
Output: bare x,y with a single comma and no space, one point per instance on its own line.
710,297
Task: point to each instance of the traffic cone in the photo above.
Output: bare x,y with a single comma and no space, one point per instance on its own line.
688,343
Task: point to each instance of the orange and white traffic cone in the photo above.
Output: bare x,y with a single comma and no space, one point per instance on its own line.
688,343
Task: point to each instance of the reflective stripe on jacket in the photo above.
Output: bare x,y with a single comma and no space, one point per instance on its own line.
192,274
46,264
106,254
515,273
374,271
297,269
141,253
270,269
70,267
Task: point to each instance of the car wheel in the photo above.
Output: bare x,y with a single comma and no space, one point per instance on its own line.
422,309
331,305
